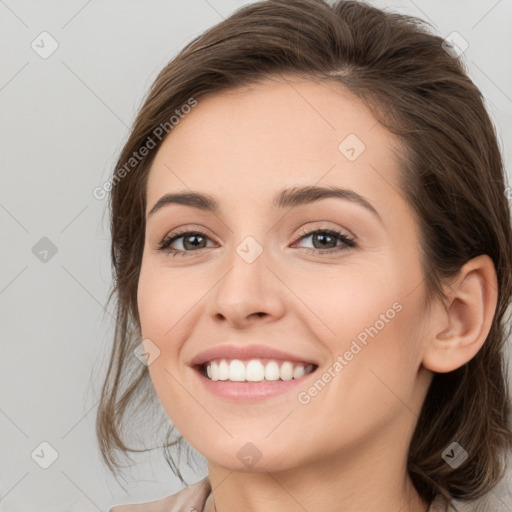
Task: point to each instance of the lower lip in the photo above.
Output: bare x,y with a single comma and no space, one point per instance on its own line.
247,391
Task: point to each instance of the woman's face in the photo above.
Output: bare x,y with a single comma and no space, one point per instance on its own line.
256,278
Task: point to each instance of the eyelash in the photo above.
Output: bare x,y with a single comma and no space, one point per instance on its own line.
349,242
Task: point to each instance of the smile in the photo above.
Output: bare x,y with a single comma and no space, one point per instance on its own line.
252,380
255,370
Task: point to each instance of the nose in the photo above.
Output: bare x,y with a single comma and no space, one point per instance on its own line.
248,292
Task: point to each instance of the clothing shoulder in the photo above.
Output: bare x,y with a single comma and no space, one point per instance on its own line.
484,504
197,498
192,497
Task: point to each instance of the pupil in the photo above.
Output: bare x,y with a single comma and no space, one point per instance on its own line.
323,236
192,237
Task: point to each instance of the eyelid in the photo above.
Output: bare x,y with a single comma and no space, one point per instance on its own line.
183,230
322,226
349,241
319,224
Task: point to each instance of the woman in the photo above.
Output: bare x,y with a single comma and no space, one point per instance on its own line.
312,251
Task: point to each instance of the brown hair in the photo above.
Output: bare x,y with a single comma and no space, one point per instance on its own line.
452,175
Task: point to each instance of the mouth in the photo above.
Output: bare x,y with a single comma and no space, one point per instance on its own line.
251,381
249,373
254,370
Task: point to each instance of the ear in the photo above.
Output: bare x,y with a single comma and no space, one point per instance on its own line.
463,325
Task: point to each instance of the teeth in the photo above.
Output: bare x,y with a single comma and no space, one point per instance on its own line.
223,370
236,371
286,371
255,370
272,371
298,372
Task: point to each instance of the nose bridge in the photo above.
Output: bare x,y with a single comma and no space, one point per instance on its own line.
248,286
247,262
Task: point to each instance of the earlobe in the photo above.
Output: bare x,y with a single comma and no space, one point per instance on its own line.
467,318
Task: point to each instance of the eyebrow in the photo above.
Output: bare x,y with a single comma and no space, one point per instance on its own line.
287,198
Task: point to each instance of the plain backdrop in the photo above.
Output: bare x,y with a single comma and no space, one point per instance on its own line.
64,119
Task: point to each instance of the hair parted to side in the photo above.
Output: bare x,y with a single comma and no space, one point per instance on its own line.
452,176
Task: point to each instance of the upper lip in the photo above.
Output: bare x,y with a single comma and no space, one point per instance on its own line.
246,352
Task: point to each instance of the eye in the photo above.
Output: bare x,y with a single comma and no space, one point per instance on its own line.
325,237
194,239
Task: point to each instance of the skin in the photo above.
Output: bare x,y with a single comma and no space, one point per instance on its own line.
347,448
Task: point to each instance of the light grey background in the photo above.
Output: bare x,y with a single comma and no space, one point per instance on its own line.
64,120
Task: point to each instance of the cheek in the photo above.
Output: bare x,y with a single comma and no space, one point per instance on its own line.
165,304
165,299
369,318
152,297
347,302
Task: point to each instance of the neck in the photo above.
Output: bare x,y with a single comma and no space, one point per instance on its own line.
375,482
273,492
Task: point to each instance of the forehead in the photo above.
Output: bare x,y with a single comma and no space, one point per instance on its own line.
250,141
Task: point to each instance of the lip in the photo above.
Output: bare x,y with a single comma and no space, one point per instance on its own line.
245,352
251,391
